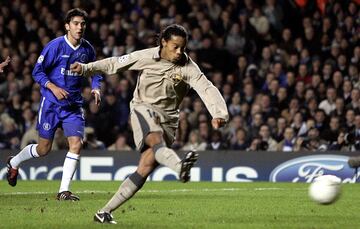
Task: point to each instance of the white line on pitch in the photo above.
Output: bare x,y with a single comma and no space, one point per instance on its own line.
161,191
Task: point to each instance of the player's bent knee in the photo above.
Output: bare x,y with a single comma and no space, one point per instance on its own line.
75,145
44,147
75,148
154,138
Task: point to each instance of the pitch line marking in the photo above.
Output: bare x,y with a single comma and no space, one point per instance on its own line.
161,191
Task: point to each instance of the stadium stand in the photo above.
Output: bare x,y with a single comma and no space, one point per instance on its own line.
287,67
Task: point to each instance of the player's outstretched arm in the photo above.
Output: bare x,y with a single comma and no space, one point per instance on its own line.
212,99
4,64
209,94
109,65
106,66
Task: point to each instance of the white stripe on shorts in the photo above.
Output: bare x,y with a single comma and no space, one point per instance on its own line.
40,110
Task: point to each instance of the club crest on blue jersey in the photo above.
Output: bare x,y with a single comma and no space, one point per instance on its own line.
40,59
83,58
46,126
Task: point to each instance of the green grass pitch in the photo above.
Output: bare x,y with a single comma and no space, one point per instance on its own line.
32,204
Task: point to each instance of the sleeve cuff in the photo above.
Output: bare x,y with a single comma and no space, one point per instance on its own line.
83,69
46,83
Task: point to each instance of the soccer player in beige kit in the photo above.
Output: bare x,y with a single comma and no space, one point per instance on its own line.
166,73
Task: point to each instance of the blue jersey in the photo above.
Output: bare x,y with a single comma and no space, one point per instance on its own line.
53,65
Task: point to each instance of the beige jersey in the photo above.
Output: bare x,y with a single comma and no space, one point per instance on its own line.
163,84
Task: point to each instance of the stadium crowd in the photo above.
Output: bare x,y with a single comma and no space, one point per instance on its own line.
288,70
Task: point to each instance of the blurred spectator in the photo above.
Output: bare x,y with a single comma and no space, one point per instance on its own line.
328,105
102,120
235,42
195,40
183,131
4,64
260,23
216,142
257,145
194,143
339,110
237,122
274,14
330,135
9,133
310,142
30,136
28,118
265,62
256,122
120,144
267,142
198,107
122,109
303,74
282,99
349,121
235,107
288,143
340,144
298,124
355,100
320,120
213,9
240,142
249,93
204,131
15,109
346,91
60,141
91,141
110,48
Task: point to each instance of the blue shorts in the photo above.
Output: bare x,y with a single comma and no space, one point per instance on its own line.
51,116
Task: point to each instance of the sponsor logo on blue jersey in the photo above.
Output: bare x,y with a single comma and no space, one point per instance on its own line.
67,72
306,169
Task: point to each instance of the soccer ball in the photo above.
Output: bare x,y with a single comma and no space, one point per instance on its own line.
325,189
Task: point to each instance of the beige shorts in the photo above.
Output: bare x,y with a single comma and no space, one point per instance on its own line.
146,119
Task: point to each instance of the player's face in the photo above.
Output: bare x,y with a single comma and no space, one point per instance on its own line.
173,49
76,28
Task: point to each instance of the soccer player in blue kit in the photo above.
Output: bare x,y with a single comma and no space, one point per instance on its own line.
61,101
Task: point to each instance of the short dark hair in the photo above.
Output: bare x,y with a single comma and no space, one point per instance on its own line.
75,12
173,30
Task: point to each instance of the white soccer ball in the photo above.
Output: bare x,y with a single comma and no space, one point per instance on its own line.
325,189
